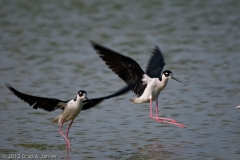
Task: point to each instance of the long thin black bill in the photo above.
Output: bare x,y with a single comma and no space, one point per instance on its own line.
176,79
89,100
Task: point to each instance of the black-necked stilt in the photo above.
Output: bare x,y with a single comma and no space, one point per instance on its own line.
238,106
71,108
147,85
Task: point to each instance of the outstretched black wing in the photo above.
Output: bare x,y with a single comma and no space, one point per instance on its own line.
155,64
95,101
125,67
48,104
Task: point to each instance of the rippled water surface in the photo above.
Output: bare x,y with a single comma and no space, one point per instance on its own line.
45,51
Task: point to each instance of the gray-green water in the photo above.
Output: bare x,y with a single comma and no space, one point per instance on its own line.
45,51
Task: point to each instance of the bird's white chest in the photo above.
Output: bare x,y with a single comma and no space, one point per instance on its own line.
72,110
153,89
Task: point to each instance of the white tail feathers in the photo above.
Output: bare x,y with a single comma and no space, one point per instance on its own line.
135,100
132,100
57,119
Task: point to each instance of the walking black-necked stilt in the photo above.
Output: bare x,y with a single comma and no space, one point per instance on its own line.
71,108
147,85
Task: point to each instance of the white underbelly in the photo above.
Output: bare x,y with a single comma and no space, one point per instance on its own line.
152,91
70,114
145,98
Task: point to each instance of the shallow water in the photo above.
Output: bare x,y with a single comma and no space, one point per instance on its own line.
45,51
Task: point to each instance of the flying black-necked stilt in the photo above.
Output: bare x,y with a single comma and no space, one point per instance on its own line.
71,108
147,85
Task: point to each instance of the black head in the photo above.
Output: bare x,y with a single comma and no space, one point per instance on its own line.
81,92
167,73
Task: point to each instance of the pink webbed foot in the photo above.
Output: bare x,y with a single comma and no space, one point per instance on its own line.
169,121
164,119
161,119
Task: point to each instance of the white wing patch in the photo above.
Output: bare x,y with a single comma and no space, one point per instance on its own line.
61,105
146,79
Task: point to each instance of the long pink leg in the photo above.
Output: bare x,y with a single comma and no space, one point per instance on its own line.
60,131
156,108
67,133
166,120
161,118
69,128
151,108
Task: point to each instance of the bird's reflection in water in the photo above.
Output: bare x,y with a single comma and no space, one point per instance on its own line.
68,157
159,150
